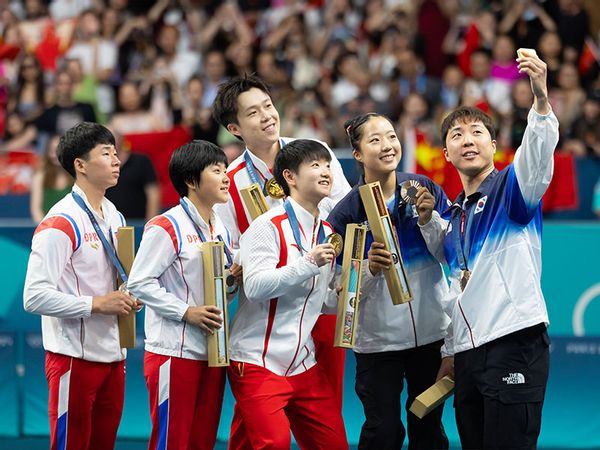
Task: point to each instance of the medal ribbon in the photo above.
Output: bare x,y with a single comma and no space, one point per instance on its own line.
296,228
108,248
186,209
253,171
458,223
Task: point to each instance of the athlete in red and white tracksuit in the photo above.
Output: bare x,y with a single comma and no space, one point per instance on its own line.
85,365
185,394
236,219
274,376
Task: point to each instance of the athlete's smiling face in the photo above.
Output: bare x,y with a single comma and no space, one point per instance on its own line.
312,181
258,120
470,147
379,147
214,184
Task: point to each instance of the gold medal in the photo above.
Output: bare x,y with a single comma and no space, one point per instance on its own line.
337,242
273,189
465,275
408,191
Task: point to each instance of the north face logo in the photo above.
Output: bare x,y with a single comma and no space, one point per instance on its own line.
514,378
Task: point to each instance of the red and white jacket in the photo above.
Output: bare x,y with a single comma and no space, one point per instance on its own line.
285,293
168,277
68,266
234,214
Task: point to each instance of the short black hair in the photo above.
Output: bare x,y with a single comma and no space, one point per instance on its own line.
225,106
188,162
293,154
466,114
354,131
78,141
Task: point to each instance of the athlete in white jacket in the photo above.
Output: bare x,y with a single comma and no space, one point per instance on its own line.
71,282
493,247
244,106
287,271
396,344
168,276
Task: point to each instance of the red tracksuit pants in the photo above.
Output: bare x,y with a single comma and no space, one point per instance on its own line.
271,405
185,402
85,402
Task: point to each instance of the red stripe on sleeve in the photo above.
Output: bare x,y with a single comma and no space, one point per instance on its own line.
165,224
240,212
58,223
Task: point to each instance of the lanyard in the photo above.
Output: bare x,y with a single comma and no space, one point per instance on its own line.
186,209
110,250
458,222
296,228
253,172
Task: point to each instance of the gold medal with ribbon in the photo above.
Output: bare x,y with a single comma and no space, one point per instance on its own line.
273,189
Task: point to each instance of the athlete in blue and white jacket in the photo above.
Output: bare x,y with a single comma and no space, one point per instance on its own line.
396,343
493,247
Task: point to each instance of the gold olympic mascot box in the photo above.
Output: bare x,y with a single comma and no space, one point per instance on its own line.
349,298
213,257
384,232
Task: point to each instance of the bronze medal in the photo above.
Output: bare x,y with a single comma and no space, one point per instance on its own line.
337,242
408,191
273,189
465,275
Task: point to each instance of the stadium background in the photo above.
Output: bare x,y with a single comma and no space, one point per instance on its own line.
272,30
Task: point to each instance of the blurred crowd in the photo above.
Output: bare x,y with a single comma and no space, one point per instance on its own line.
142,66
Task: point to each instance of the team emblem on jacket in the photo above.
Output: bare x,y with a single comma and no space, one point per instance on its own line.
480,204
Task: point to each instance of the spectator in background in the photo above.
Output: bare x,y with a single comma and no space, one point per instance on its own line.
50,182
275,75
225,27
525,21
305,118
85,87
478,87
550,50
18,135
346,86
181,63
522,99
452,88
28,98
413,78
215,69
65,113
586,127
241,56
415,126
567,99
504,65
132,116
572,22
195,116
98,57
137,195
467,34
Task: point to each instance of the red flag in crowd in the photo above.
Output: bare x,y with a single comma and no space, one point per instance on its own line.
159,147
561,194
589,55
